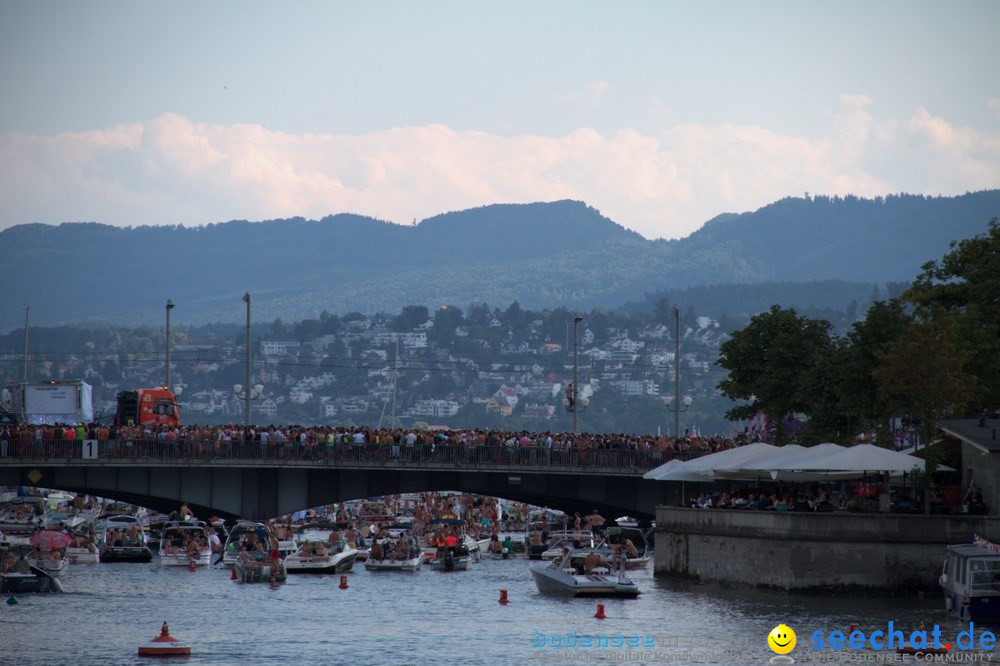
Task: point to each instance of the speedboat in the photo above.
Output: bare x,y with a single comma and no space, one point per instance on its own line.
35,580
457,558
258,567
562,577
121,538
383,557
245,536
54,564
22,515
183,543
64,517
970,578
321,557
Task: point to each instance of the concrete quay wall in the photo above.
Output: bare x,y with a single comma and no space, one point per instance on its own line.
811,552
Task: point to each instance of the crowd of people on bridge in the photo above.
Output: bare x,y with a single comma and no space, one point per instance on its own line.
326,442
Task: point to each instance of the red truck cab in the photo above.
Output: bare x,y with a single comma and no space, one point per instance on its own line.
151,406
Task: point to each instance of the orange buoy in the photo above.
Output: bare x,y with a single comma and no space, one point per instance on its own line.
854,627
164,645
234,576
343,582
503,597
600,612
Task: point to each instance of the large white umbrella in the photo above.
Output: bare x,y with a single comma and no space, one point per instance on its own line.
676,470
859,458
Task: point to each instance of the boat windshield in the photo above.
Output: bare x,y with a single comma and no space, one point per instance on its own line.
984,576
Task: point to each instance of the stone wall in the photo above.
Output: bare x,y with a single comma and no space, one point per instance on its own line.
846,552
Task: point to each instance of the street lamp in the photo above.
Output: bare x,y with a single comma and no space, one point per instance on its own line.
676,398
250,393
26,309
572,401
170,306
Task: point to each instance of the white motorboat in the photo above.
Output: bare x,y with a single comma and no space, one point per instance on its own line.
456,557
561,577
183,542
245,536
121,538
22,515
83,554
321,557
53,566
411,564
65,517
258,567
383,556
630,541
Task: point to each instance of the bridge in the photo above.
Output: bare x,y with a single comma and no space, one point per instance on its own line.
247,480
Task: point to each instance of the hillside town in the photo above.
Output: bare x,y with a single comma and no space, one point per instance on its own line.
506,369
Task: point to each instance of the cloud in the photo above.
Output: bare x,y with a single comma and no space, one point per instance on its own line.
173,170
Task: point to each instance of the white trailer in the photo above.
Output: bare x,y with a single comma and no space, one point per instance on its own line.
68,401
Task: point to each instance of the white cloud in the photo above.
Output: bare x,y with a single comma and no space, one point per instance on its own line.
175,170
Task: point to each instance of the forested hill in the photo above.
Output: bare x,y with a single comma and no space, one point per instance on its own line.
563,253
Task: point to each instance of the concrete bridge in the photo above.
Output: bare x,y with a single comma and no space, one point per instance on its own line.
245,480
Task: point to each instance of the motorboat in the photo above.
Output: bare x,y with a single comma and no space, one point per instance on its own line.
54,564
245,536
322,557
970,578
121,538
65,517
259,567
33,580
563,577
554,551
458,557
383,556
629,542
183,543
22,515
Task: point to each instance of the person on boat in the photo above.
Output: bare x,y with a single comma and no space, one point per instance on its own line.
185,512
440,542
334,537
8,564
451,541
508,544
495,545
320,549
213,539
22,566
630,549
376,551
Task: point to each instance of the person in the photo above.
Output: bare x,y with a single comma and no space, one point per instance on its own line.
630,548
508,544
570,396
22,566
9,562
495,546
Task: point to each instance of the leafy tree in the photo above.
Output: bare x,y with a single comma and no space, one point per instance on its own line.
920,374
769,364
411,317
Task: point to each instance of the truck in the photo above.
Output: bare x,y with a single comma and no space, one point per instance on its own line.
147,406
51,401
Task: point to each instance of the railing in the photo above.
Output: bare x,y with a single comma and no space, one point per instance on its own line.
139,450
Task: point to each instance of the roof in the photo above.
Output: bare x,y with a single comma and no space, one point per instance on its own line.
970,550
983,437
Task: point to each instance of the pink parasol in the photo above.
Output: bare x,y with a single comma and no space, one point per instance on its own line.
50,540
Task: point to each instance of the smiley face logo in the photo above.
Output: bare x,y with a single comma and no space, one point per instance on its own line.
781,639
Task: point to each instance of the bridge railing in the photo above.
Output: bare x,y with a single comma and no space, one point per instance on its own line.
31,450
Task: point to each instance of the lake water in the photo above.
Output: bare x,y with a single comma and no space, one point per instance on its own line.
428,617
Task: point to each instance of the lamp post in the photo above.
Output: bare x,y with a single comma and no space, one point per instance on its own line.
170,306
251,393
573,402
26,309
676,397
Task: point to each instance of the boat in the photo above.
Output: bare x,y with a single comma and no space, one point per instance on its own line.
54,564
458,557
184,543
562,577
121,538
970,579
631,542
245,536
382,557
22,515
65,517
34,580
321,557
259,567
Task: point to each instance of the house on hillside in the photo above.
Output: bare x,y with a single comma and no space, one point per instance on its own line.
503,401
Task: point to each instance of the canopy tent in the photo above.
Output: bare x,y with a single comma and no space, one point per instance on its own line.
858,458
675,470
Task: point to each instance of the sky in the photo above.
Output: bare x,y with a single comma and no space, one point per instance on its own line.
659,114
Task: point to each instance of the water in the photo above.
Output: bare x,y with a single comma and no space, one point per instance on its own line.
428,617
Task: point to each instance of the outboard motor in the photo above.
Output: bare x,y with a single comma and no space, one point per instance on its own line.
449,560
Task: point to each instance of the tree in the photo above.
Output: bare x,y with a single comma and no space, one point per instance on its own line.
769,363
962,288
920,374
411,317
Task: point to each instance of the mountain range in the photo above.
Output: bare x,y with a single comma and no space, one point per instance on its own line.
563,253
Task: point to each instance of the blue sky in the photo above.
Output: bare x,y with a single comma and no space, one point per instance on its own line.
660,114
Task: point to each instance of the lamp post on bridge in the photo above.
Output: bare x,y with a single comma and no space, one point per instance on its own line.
572,401
170,306
674,403
251,393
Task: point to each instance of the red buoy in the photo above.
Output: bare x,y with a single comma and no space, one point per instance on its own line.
234,576
600,612
343,582
164,645
503,597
